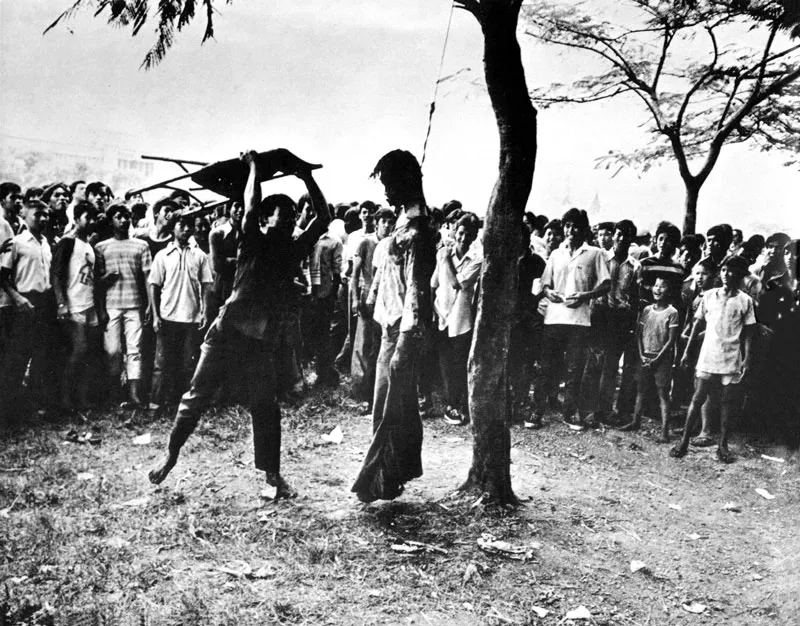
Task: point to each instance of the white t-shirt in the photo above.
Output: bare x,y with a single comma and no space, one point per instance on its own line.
80,281
568,273
725,317
6,233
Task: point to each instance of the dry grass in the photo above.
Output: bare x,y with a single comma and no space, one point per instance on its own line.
86,540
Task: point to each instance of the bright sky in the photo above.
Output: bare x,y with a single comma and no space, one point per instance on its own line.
341,82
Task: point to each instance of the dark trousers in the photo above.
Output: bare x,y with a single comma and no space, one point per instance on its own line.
31,342
366,345
223,346
610,338
524,349
395,454
321,315
570,341
453,358
175,355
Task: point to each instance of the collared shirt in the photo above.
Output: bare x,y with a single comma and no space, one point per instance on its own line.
454,306
725,317
404,276
180,272
131,259
623,294
567,273
29,261
325,264
6,233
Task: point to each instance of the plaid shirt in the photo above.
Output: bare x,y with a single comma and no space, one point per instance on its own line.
131,258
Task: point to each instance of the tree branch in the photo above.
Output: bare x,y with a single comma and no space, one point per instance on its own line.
698,83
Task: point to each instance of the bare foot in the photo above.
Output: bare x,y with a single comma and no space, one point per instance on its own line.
663,438
630,426
162,470
677,452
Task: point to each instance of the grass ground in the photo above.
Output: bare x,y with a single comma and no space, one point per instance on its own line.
85,539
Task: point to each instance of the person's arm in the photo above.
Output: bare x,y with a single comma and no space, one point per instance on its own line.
450,272
667,349
322,215
59,270
640,340
747,344
355,287
547,283
219,261
155,304
579,297
252,194
21,303
206,292
696,328
146,262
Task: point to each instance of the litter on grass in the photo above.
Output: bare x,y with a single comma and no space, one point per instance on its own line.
765,494
335,436
695,607
637,566
142,440
581,613
490,544
412,547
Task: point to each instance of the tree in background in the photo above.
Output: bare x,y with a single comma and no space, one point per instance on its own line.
707,72
503,241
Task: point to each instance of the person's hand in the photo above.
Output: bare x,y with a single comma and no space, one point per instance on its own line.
203,321
684,365
554,296
102,319
23,305
147,317
6,246
156,323
62,312
574,300
248,156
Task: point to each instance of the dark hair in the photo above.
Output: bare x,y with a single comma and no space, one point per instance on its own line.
723,232
578,218
554,224
399,168
437,216
606,226
529,218
36,204
708,263
671,232
352,221
185,219
385,214
48,193
116,208
450,206
737,264
96,188
779,239
180,193
470,223
276,201
627,227
453,217
165,202
84,206
139,209
74,185
7,188
32,193
369,205
540,221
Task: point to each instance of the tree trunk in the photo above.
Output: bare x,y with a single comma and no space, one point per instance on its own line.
690,205
503,243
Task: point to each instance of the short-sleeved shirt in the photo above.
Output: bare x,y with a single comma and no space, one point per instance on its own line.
29,261
454,306
181,273
131,259
6,233
570,272
655,326
80,278
623,293
726,317
325,264
365,252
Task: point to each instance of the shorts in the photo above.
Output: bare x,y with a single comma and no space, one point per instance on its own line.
724,379
661,374
87,317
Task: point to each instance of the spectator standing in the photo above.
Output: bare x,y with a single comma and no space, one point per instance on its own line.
123,264
325,268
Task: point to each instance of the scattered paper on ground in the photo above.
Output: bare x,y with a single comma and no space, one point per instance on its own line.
637,565
732,507
581,613
695,607
773,458
335,436
765,494
540,612
84,476
411,547
142,440
676,507
489,543
136,501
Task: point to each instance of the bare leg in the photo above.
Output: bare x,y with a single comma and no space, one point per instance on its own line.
663,402
164,467
641,398
727,412
701,392
282,488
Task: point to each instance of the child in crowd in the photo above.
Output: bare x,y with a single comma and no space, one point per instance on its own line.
724,359
655,336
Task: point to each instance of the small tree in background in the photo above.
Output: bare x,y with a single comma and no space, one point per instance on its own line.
696,101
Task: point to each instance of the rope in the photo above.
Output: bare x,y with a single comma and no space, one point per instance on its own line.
436,88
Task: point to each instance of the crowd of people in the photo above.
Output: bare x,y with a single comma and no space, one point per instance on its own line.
107,300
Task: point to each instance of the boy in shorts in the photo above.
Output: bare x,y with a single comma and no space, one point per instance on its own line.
729,318
656,334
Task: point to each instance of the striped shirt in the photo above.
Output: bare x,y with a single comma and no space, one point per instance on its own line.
131,259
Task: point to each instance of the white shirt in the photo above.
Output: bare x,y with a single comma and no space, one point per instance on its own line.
726,317
29,261
180,272
454,306
80,278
